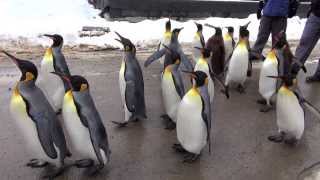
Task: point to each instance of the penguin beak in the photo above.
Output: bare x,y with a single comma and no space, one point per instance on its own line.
246,25
64,78
121,38
14,59
180,30
49,36
198,48
276,77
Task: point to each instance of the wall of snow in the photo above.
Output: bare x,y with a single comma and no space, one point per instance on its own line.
29,19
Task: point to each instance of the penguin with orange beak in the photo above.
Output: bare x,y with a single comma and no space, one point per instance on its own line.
37,121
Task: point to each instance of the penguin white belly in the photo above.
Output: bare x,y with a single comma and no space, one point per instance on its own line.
52,86
171,98
28,130
238,66
290,115
78,134
191,129
268,86
205,68
122,84
228,48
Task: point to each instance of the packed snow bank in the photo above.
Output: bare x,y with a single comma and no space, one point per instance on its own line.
29,19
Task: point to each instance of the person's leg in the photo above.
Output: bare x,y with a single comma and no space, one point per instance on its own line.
278,24
309,39
263,36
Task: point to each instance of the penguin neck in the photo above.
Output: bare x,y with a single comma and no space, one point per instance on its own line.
174,39
272,55
202,60
227,37
56,48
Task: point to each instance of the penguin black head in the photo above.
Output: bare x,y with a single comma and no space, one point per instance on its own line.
168,26
79,83
218,31
176,31
199,27
243,30
230,29
204,51
199,77
28,69
174,56
127,44
57,39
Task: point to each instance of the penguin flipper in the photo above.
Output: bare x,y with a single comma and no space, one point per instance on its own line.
155,56
178,83
44,134
206,112
215,76
83,118
130,96
185,61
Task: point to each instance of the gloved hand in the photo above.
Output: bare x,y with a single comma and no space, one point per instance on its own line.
293,7
260,7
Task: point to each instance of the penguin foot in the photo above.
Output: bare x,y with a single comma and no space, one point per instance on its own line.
84,163
190,158
53,172
276,138
291,141
37,163
170,125
262,101
266,108
94,170
119,124
59,112
241,89
178,148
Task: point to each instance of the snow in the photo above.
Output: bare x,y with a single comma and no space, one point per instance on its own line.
29,19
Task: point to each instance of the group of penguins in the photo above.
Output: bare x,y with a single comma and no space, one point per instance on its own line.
36,105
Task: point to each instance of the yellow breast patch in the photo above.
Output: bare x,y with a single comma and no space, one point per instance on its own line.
122,68
193,95
286,91
17,103
167,73
69,102
167,35
272,56
227,37
48,56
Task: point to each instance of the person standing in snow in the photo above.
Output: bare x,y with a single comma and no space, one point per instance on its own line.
273,14
309,39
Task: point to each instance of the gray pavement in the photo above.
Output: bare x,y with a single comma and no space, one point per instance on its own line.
142,151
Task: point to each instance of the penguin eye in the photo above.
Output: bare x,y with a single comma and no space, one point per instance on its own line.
29,76
83,87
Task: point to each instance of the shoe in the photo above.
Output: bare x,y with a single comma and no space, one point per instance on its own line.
312,79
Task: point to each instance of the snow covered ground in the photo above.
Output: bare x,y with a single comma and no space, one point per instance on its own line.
29,19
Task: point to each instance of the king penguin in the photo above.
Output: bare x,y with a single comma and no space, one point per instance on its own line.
131,84
166,38
37,121
216,45
229,42
87,135
203,65
238,64
172,88
268,86
175,46
198,41
53,61
194,118
289,112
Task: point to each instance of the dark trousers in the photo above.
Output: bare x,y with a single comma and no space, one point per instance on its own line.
268,25
309,39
